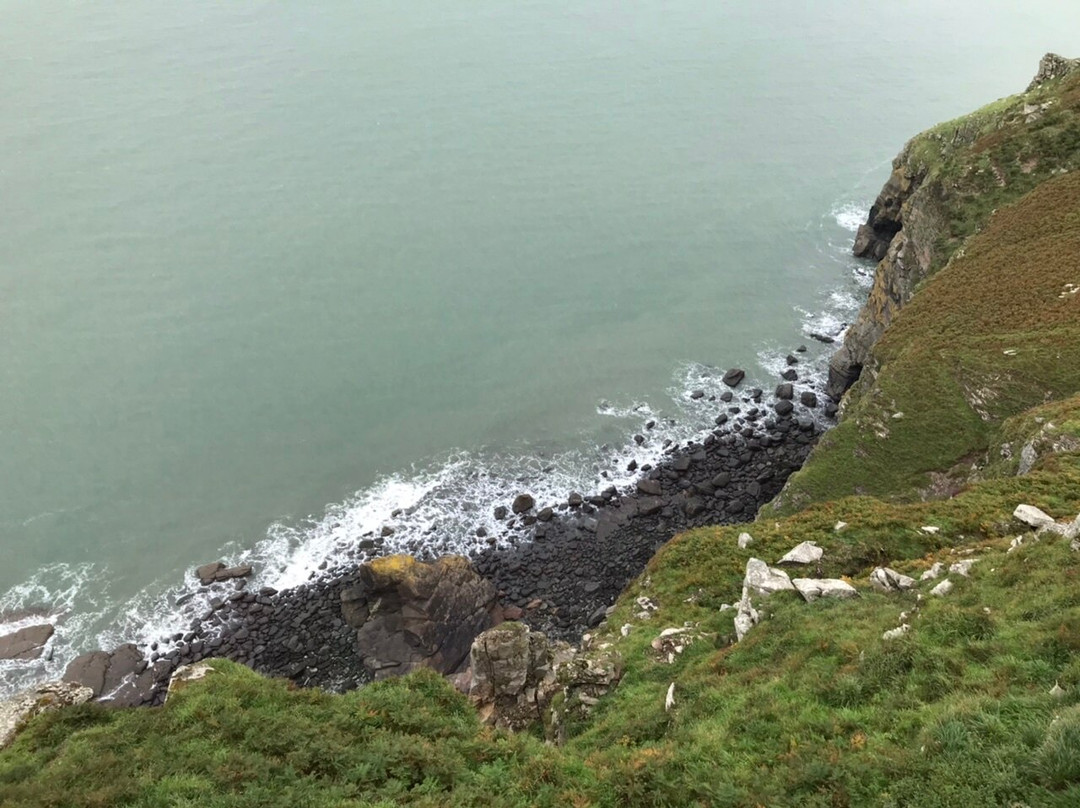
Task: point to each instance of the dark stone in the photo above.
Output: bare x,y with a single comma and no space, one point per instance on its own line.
545,515
427,615
792,359
697,394
734,376
808,399
790,375
785,391
726,396
26,643
783,407
501,512
649,487
575,499
523,503
693,506
721,480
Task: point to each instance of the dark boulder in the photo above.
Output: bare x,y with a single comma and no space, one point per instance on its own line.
785,391
523,503
26,643
649,487
783,407
218,572
409,614
808,399
734,376
120,678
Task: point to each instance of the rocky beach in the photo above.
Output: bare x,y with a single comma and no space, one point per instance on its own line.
564,567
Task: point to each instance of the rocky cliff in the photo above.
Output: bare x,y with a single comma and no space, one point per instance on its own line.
944,185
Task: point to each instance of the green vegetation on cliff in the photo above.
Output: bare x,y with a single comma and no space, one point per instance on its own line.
972,409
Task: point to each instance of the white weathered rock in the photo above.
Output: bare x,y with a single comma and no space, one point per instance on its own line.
1015,544
645,604
15,712
813,588
1032,516
896,633
745,540
669,699
931,529
673,641
942,589
933,572
805,553
839,526
761,579
963,567
1057,691
746,617
886,579
625,630
186,674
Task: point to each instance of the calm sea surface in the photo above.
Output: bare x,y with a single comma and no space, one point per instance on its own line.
272,271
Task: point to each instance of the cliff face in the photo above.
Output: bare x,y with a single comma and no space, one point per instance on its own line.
943,186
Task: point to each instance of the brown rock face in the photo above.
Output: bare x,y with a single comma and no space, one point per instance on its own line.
26,643
409,614
217,572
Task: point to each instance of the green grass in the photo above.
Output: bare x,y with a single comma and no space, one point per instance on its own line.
986,339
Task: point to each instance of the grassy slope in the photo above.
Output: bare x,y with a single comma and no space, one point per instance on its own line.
813,708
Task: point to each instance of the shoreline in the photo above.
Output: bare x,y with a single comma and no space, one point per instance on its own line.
569,561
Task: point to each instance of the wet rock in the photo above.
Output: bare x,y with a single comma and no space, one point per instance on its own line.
501,512
575,499
27,643
218,572
785,391
790,375
808,399
734,377
783,407
545,515
118,678
523,503
697,394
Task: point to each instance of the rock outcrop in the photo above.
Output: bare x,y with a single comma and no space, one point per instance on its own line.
14,713
27,643
1051,67
409,614
520,678
121,678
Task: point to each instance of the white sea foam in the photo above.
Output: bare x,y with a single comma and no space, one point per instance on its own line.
850,215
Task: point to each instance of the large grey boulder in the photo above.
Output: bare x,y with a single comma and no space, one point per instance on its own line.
886,579
813,588
805,553
14,713
761,579
121,678
409,614
27,643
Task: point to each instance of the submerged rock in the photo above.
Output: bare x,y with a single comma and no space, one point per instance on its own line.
734,377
